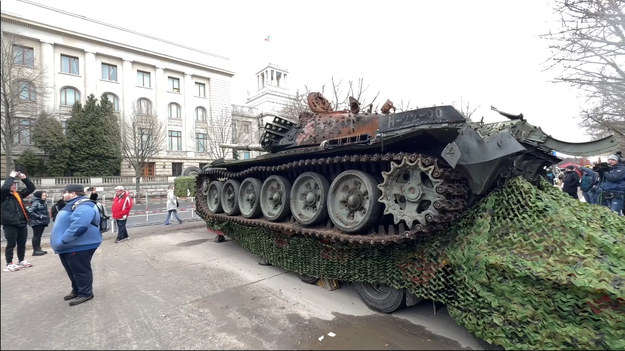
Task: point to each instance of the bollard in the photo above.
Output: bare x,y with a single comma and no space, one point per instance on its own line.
147,215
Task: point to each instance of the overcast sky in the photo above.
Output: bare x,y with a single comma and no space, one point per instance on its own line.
424,52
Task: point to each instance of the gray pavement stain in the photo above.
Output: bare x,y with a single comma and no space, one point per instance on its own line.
248,313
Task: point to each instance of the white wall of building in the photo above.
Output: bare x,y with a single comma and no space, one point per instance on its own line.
52,33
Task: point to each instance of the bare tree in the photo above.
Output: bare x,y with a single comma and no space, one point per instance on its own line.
143,137
338,97
221,130
22,90
590,48
465,108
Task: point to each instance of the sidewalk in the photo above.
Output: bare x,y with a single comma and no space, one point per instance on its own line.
173,287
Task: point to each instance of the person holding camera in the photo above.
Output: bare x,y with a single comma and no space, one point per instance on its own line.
612,188
14,218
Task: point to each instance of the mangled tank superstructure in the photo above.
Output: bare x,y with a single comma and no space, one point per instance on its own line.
375,178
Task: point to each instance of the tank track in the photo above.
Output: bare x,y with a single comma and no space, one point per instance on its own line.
454,188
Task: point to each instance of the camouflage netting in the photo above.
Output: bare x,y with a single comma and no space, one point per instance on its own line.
526,268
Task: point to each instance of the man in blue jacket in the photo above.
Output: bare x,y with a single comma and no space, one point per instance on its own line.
75,238
613,185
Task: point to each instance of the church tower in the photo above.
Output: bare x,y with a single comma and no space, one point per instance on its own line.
272,93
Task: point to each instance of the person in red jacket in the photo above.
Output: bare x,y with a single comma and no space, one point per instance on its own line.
122,204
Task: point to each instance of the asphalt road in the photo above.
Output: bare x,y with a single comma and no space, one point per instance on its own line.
173,287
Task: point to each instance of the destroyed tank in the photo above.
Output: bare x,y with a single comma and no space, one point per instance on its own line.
375,178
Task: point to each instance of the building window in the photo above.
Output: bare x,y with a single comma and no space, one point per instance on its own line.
174,140
27,91
176,169
69,64
144,106
245,128
114,100
174,84
200,89
173,111
109,72
201,140
147,139
69,96
246,155
143,79
23,56
200,114
23,135
64,127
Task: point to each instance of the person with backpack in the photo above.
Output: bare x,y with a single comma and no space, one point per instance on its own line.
75,238
122,204
39,220
588,184
172,206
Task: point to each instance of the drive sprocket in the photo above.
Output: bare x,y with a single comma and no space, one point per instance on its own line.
411,189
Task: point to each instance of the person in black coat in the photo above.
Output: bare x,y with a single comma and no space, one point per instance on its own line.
570,182
39,220
56,208
14,218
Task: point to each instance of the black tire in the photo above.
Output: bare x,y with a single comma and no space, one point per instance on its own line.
191,170
307,279
380,297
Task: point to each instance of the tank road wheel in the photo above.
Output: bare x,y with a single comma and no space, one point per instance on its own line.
353,201
213,196
249,196
380,297
229,197
408,192
274,198
309,195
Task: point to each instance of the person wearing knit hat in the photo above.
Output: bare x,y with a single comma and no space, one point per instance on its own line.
612,188
39,219
14,218
75,237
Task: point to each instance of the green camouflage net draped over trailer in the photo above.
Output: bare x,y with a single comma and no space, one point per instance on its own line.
526,268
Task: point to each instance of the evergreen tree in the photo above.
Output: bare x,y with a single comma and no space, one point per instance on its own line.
93,136
48,137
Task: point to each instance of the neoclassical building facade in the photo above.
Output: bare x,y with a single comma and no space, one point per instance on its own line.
186,88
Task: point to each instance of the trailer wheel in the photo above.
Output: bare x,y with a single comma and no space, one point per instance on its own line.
380,297
307,279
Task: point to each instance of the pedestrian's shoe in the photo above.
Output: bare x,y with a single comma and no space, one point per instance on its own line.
39,252
24,264
70,296
165,223
181,221
80,299
11,267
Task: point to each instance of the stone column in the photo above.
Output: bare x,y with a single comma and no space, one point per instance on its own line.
50,102
128,79
91,74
